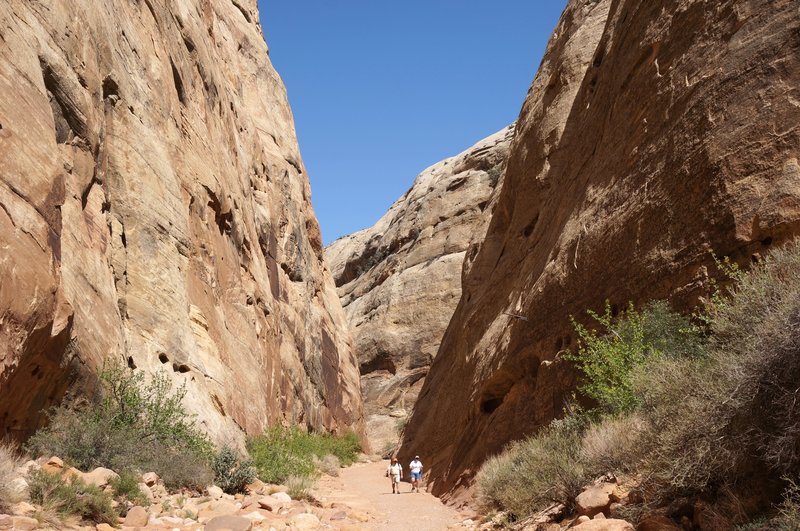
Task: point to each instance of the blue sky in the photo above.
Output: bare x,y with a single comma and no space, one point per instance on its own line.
381,90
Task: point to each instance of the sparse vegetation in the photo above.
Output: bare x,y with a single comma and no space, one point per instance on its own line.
536,472
9,462
690,410
73,498
300,487
137,423
284,452
126,490
231,473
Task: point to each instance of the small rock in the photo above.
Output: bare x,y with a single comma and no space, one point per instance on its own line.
305,521
270,503
582,519
104,527
595,499
359,516
609,524
341,515
19,485
136,517
150,478
147,491
172,520
255,516
282,496
599,516
229,522
256,487
215,492
100,477
24,523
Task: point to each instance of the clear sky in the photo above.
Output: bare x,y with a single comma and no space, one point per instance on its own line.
382,89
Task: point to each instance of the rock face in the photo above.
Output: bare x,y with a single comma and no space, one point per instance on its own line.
654,134
400,280
154,208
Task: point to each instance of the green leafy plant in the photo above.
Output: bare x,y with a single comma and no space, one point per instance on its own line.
135,423
232,474
73,498
126,489
283,452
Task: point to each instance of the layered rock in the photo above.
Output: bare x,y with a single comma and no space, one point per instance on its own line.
655,134
154,209
400,280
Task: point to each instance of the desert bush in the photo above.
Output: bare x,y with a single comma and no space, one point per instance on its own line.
534,473
283,452
74,498
299,487
329,465
723,419
614,444
609,356
9,463
232,474
136,423
126,490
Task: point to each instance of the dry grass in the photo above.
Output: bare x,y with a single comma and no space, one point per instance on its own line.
9,463
614,445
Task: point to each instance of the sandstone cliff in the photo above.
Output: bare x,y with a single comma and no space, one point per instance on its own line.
654,134
154,208
400,280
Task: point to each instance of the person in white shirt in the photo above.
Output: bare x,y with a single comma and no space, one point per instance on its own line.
416,473
395,472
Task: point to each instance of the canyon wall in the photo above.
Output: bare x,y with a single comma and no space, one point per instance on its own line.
155,210
400,280
654,134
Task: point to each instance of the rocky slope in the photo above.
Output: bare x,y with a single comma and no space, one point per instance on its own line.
154,208
654,134
399,281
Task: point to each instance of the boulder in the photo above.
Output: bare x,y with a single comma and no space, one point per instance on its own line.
150,478
54,465
100,477
137,517
304,521
19,485
24,523
270,503
229,523
104,527
282,497
23,508
657,523
215,492
607,524
595,499
6,521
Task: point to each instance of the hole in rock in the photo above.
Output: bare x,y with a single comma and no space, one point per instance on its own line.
176,78
110,87
163,358
131,363
766,242
489,406
381,362
180,368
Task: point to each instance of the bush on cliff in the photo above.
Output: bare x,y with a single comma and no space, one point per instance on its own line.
282,452
137,423
9,462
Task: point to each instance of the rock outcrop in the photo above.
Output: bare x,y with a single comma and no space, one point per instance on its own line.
400,280
654,134
154,209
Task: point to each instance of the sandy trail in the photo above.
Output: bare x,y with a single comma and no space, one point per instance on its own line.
364,487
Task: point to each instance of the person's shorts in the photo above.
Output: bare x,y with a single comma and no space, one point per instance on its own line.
395,478
416,476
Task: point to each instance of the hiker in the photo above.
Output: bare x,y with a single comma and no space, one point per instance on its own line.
395,472
416,473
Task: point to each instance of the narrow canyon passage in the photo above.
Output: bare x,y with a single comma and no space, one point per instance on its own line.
364,487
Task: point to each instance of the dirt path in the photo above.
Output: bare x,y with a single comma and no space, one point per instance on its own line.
364,487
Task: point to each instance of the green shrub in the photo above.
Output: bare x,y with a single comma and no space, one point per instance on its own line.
329,465
231,474
534,473
731,417
283,452
126,490
137,423
75,498
9,462
609,357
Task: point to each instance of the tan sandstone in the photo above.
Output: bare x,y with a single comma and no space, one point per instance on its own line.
400,280
654,134
154,208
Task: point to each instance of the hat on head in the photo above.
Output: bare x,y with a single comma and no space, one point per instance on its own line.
416,457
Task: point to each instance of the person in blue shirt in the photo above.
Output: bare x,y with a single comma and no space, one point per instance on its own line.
416,473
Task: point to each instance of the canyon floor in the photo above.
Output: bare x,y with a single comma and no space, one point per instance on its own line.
364,487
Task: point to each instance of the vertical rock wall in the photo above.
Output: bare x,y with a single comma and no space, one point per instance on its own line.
400,280
154,209
654,134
